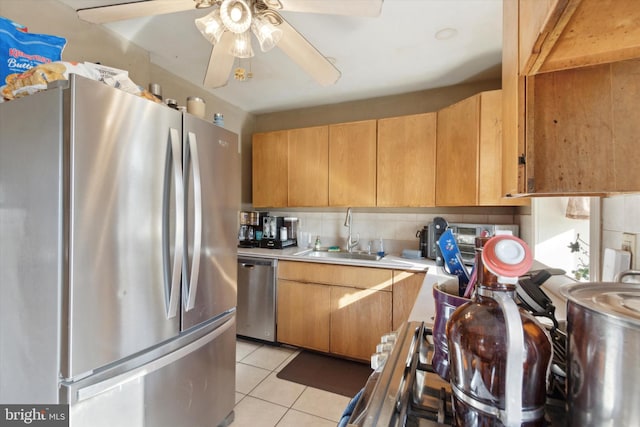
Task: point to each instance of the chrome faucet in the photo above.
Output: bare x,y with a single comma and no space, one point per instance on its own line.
348,222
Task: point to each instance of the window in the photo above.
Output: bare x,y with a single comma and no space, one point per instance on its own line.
567,234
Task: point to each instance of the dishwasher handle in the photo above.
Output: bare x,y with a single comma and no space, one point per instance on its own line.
254,262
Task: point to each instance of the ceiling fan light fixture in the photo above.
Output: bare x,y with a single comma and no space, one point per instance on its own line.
267,34
241,47
211,27
236,15
201,4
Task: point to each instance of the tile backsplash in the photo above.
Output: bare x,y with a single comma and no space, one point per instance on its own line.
397,229
620,214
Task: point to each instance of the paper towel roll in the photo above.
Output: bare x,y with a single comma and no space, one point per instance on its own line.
615,261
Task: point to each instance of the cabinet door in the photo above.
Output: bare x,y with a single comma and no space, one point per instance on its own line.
489,177
457,154
513,103
309,166
582,130
303,314
359,317
406,286
333,274
270,172
407,161
352,164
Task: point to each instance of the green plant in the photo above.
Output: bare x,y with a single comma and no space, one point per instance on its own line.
582,248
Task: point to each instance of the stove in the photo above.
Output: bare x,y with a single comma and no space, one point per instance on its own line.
404,389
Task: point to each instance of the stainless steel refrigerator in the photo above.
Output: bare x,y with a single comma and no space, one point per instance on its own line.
118,221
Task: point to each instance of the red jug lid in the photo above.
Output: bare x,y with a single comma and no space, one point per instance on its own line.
507,256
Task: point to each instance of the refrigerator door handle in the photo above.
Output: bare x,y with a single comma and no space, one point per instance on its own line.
172,271
89,391
192,288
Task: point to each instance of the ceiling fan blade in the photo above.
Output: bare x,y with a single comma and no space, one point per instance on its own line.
330,7
220,62
138,9
307,56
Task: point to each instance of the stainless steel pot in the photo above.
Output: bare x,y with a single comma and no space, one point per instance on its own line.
603,328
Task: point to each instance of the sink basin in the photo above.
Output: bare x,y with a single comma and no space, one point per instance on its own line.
344,255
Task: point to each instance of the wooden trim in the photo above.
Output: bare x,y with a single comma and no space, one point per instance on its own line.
554,26
598,32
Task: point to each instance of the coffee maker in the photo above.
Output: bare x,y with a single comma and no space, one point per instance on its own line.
250,232
279,232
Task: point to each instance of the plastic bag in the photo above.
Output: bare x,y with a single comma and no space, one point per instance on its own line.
38,77
21,50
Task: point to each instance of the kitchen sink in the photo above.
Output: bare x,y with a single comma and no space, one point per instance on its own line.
344,255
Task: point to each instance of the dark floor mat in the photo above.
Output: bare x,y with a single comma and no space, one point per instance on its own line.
328,373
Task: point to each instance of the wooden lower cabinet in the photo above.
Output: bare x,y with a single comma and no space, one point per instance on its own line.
359,317
303,314
343,310
406,285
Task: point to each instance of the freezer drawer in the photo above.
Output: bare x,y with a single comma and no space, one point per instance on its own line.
191,386
257,298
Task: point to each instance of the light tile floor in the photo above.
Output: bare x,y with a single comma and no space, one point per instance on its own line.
264,400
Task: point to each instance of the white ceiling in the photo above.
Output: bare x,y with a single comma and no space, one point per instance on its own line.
397,52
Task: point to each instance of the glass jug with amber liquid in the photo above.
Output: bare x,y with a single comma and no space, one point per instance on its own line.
500,355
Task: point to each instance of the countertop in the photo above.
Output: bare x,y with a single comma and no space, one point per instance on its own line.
295,253
424,307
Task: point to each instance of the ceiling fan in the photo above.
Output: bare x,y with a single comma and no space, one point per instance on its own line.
230,23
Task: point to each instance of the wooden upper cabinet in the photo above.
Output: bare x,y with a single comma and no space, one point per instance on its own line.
513,102
490,149
570,96
582,130
535,21
562,34
270,171
352,163
406,160
490,189
469,153
308,167
457,153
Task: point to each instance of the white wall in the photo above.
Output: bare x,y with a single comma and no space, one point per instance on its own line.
620,214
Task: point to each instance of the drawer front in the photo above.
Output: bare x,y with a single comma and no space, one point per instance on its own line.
331,274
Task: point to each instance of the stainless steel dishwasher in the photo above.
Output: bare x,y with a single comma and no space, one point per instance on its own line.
256,312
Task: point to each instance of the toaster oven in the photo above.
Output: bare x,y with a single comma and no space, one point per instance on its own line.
465,235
